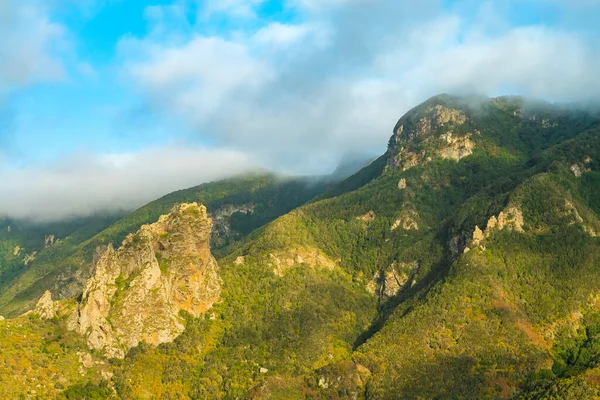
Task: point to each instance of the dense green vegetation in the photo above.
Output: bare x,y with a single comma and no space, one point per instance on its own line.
383,286
25,244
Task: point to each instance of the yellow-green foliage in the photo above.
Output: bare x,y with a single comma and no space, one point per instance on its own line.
38,359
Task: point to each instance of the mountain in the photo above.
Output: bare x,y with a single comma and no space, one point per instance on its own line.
237,206
25,244
462,263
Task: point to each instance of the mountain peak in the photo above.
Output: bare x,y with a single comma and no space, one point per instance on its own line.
437,128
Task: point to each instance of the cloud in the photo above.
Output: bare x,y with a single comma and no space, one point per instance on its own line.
300,95
84,183
232,8
205,72
299,89
30,46
278,34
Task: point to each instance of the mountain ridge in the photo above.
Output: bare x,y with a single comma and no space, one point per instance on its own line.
460,264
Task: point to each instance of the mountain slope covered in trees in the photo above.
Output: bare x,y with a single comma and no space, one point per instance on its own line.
463,263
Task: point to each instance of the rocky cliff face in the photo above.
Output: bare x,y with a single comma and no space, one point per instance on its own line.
138,290
431,131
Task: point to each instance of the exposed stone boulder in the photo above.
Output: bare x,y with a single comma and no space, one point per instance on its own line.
45,307
240,260
138,290
571,213
478,236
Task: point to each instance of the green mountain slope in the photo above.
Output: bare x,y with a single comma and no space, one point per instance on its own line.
461,264
24,244
238,205
442,322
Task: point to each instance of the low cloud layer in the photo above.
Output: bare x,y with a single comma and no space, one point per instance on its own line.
30,45
298,92
86,183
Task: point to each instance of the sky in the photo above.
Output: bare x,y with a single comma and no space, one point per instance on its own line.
108,104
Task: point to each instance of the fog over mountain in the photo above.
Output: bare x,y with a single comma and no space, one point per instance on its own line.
189,91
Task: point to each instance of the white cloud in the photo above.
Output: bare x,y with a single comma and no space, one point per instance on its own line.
30,45
84,183
205,73
299,96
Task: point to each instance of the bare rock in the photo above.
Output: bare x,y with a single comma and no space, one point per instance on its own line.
222,232
511,218
29,257
45,307
408,221
368,217
48,241
283,261
389,282
240,260
478,236
137,291
430,132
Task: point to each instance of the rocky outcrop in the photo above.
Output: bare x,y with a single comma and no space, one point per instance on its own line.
389,282
427,132
312,257
368,217
511,218
45,307
49,241
137,291
408,220
578,169
222,232
29,257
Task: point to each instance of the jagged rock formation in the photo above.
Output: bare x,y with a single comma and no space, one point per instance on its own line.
45,307
511,218
138,290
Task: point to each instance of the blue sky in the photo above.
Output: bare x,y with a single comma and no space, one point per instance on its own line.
138,98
